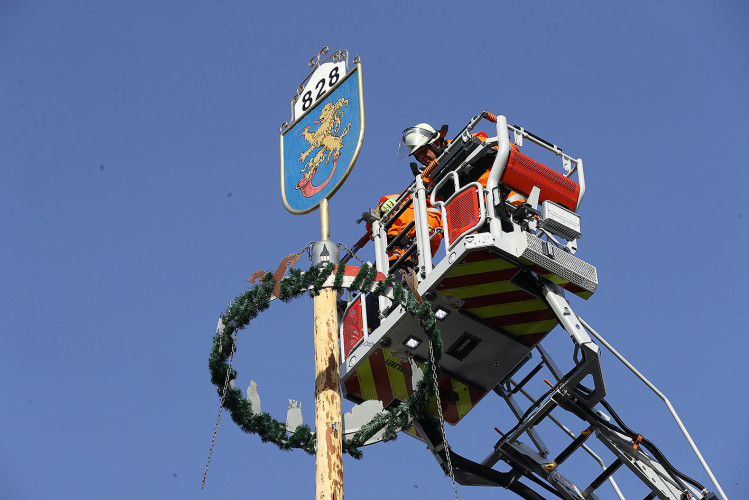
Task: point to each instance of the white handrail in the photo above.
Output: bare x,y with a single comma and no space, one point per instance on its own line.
665,400
498,167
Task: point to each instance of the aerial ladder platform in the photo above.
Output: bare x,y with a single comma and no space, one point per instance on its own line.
500,287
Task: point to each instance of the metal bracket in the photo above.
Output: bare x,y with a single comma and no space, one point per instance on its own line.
465,136
518,137
534,196
590,364
369,216
566,163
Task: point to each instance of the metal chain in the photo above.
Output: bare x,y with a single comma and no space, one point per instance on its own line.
221,405
442,420
308,249
348,251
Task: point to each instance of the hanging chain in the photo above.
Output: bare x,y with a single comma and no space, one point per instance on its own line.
308,249
348,251
442,420
221,405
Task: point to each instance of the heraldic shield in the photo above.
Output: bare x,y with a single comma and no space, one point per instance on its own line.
319,149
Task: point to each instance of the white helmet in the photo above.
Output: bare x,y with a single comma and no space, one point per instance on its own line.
415,137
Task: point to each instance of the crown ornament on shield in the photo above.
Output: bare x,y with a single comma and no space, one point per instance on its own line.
314,63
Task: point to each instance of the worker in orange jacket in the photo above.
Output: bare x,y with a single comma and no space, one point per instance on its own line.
425,144
434,221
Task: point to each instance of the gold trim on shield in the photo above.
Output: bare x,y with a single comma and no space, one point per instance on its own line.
356,151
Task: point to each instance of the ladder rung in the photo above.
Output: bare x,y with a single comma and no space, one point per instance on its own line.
574,445
527,378
602,477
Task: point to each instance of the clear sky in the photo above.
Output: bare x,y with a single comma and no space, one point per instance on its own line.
139,187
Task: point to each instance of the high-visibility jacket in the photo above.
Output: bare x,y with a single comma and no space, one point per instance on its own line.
434,221
434,215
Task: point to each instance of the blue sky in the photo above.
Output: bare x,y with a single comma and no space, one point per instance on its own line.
139,187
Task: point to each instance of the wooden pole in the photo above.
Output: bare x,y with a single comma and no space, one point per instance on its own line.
328,425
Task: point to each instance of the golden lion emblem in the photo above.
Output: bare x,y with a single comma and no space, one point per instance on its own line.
324,137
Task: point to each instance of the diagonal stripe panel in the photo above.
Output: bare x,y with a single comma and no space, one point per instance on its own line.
478,256
496,298
501,309
396,376
366,381
478,290
567,285
479,278
380,375
482,281
351,385
371,379
448,398
480,267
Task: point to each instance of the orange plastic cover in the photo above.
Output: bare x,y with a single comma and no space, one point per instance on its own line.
522,173
462,213
353,328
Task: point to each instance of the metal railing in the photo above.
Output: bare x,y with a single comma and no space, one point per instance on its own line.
662,397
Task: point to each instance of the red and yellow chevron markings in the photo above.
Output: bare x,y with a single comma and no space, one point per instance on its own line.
482,281
386,377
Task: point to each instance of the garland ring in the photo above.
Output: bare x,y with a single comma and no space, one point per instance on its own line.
246,306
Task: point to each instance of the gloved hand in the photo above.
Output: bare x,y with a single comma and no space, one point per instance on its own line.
386,205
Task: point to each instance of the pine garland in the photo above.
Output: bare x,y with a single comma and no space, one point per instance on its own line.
256,299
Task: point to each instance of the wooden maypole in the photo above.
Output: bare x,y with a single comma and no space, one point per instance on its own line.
328,425
318,150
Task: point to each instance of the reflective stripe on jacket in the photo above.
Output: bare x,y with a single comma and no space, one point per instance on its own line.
434,221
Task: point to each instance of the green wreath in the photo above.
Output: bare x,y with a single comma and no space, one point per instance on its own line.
249,304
